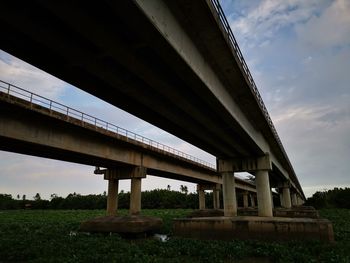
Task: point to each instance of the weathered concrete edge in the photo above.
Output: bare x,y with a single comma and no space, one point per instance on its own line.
255,228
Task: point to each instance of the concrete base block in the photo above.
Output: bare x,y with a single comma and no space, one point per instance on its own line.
277,212
296,212
206,213
122,224
254,228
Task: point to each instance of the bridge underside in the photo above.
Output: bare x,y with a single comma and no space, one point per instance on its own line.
115,51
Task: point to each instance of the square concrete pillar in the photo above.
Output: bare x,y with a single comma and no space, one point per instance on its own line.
264,193
294,199
287,203
229,194
216,197
252,200
281,199
112,197
135,196
201,197
245,199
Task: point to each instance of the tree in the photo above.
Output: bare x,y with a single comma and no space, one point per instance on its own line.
24,197
18,197
168,187
52,196
184,189
37,197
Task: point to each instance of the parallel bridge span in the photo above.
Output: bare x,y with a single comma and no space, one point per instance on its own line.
32,124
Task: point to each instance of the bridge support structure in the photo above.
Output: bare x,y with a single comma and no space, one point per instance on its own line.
252,200
134,223
113,175
216,195
260,166
294,199
285,197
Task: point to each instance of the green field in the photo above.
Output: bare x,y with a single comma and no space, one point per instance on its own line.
51,236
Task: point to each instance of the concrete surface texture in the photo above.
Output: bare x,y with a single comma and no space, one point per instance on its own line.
258,228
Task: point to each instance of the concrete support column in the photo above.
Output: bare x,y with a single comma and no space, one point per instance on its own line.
272,204
216,197
294,199
264,193
229,194
300,200
281,199
287,203
252,200
201,195
135,196
245,199
112,197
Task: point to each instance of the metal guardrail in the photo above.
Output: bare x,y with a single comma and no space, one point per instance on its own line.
234,45
33,98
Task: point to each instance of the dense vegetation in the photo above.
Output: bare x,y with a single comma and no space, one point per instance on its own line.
159,198
52,236
336,198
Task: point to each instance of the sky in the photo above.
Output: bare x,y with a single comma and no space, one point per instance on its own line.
299,55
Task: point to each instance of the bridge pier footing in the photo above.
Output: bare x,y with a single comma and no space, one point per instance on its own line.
257,228
133,225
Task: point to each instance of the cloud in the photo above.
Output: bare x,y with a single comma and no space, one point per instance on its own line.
263,21
331,29
299,55
21,74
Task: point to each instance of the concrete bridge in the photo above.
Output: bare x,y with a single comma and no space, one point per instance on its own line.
174,64
34,125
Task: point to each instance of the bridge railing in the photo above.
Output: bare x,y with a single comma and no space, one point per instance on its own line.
33,98
234,45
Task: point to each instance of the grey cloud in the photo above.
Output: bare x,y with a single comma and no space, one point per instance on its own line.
19,73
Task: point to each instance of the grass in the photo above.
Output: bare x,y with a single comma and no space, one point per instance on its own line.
51,236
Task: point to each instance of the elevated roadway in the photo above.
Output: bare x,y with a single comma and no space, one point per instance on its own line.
174,64
52,130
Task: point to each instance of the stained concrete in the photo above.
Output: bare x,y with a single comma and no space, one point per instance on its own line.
254,228
294,212
122,224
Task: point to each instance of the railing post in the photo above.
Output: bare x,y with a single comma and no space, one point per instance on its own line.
31,100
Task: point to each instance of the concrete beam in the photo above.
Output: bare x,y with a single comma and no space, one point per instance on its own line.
245,164
122,173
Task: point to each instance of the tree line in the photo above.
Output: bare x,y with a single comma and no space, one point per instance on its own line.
154,199
336,198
